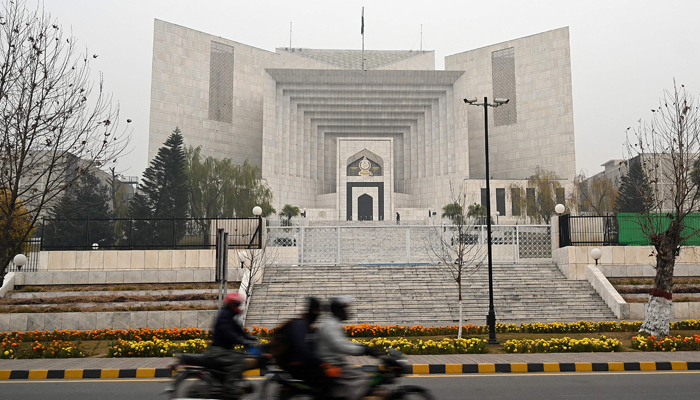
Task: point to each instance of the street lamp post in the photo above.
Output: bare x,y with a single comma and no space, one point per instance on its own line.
491,317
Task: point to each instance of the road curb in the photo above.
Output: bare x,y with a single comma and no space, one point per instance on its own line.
417,369
487,368
86,373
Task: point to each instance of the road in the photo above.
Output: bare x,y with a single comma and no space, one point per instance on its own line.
578,386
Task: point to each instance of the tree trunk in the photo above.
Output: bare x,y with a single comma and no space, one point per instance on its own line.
658,310
459,327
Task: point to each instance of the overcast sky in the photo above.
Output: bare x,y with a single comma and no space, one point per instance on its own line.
623,53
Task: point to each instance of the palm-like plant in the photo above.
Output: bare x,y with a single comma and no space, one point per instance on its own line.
478,212
289,211
453,211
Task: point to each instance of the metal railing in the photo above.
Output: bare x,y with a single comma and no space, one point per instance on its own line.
138,233
588,230
30,249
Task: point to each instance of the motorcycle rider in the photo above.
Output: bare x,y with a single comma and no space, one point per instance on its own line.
229,333
333,347
300,359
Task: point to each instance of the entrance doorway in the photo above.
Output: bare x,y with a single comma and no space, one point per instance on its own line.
365,204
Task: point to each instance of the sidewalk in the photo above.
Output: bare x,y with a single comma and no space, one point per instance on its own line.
90,368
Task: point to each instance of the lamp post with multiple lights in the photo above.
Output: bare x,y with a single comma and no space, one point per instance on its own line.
491,317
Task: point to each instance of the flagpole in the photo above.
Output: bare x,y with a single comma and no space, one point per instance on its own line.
362,31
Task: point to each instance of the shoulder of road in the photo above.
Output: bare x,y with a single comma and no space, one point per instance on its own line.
96,368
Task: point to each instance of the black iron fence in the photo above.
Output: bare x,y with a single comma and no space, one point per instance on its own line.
31,249
588,230
141,234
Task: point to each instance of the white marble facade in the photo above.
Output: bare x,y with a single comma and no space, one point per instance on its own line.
301,114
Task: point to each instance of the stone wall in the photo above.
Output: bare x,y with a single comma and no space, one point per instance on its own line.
622,261
121,277
109,260
203,319
180,94
544,128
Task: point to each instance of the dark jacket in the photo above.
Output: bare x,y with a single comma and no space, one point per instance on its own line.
228,332
303,350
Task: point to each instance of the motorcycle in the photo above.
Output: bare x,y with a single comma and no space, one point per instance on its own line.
279,385
199,377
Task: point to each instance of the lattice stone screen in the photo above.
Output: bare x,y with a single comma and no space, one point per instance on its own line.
352,245
503,75
221,83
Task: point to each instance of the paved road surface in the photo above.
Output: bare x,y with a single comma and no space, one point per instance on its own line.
570,386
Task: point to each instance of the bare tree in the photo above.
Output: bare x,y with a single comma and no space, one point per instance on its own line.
254,263
595,195
456,249
667,148
54,123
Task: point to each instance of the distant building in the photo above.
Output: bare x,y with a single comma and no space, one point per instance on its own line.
345,143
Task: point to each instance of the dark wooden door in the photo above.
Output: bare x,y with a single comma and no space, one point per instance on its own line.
365,204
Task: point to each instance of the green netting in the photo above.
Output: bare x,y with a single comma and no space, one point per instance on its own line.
630,225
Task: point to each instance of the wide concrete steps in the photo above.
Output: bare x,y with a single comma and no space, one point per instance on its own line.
426,295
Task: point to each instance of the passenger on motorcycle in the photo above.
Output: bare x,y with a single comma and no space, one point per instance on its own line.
301,359
229,333
333,347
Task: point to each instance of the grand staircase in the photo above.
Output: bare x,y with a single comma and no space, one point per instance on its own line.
426,295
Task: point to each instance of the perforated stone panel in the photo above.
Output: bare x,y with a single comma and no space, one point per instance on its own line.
221,83
503,74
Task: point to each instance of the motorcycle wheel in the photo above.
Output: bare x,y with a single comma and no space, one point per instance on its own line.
411,393
193,388
271,390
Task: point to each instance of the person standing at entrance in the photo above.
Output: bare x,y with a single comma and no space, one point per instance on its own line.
398,218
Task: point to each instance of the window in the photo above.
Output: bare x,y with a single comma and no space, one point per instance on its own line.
484,199
503,76
531,202
515,201
501,201
561,198
221,83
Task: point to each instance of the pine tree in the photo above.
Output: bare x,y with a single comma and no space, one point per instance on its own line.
82,216
162,196
634,189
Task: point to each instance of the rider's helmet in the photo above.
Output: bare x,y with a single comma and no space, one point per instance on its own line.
235,301
339,306
313,309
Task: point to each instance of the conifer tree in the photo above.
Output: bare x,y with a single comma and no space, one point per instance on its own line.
634,188
81,217
162,196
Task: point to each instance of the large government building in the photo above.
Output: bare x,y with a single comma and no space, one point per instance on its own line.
350,139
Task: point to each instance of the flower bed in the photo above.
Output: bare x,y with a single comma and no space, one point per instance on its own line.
67,344
52,349
444,346
366,330
108,334
155,348
669,343
165,348
157,342
562,345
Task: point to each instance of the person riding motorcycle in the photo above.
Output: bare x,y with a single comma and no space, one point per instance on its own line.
229,333
333,347
301,360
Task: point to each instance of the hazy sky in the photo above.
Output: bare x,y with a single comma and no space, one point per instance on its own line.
623,53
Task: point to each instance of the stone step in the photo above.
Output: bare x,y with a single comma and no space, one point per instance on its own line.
424,295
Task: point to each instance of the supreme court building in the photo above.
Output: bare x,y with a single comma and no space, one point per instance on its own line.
347,143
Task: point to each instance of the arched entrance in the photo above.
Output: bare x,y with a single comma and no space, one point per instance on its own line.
365,204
